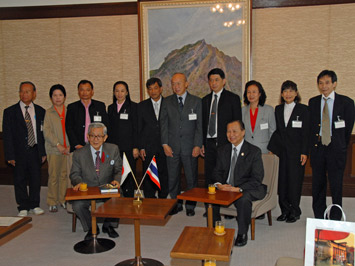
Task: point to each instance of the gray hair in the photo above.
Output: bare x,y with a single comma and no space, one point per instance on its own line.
97,125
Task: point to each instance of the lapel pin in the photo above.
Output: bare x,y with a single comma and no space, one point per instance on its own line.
112,162
242,154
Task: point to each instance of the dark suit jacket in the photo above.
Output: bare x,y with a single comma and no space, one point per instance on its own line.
344,109
229,110
75,120
15,132
83,168
248,171
123,132
148,126
180,133
291,139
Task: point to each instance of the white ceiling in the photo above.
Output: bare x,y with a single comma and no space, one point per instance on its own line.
17,3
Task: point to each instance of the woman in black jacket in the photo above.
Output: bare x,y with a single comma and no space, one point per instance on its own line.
290,143
122,130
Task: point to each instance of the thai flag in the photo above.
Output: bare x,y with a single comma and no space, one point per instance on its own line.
152,171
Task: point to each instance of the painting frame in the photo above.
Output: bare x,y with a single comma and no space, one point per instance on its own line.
144,34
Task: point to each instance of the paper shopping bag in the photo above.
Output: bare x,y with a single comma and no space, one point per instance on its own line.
329,242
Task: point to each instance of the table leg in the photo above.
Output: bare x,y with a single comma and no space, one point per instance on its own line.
138,260
209,216
94,245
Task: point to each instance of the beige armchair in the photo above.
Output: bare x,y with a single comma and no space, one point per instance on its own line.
271,175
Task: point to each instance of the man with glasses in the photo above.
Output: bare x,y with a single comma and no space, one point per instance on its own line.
97,163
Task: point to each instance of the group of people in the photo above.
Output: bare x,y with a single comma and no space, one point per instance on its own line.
177,130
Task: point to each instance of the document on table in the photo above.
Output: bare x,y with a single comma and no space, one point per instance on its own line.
7,221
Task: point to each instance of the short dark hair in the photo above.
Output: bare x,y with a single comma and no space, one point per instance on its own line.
329,73
262,98
240,122
288,84
28,83
216,71
57,87
84,81
152,81
128,98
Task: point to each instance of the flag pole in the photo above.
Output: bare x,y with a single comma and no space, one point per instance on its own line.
145,173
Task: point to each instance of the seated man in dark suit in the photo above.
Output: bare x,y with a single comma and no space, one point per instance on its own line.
97,163
239,168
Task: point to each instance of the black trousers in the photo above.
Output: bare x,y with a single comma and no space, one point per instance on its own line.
148,186
210,159
27,171
244,208
324,161
291,175
129,185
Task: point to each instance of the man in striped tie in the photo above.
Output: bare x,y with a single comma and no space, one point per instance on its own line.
24,148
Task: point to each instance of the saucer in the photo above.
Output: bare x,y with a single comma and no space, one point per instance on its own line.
218,234
211,193
83,190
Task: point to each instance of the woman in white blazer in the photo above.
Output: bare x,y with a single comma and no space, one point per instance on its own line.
259,118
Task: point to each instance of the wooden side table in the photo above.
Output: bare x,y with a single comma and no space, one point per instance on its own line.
6,230
94,245
201,195
201,243
149,209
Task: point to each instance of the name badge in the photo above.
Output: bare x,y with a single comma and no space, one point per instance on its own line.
297,124
124,116
339,124
192,116
97,118
264,126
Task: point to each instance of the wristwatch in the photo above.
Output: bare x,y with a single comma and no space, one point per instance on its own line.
240,190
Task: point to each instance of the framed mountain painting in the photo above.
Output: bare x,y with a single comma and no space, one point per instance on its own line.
193,37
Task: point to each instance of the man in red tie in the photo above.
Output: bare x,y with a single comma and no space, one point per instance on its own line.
97,163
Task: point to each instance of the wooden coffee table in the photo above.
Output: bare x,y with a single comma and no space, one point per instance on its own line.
8,229
94,245
151,209
201,195
201,243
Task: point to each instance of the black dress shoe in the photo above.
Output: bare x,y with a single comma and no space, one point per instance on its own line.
260,217
190,212
176,210
241,240
110,231
282,217
89,234
228,217
292,218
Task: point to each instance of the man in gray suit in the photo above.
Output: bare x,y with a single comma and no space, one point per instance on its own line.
97,163
181,137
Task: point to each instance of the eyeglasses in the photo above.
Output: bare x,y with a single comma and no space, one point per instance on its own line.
99,137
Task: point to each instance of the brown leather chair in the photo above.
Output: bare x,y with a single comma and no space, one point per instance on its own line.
269,202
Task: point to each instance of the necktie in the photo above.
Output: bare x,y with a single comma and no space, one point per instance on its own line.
325,124
97,163
181,105
232,166
31,140
213,116
156,110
